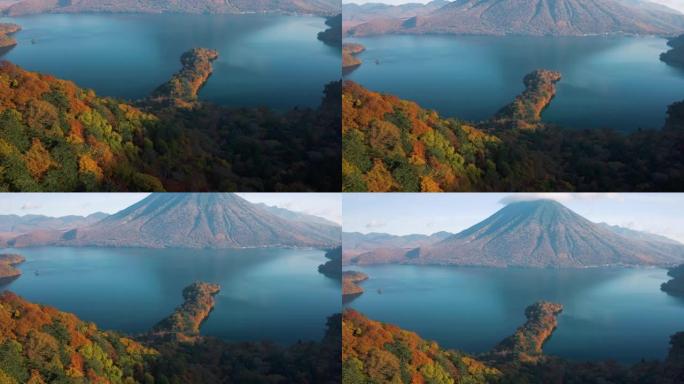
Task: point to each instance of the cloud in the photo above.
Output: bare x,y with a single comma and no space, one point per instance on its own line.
374,224
560,197
30,206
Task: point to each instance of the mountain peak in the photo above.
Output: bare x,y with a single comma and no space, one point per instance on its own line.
532,17
545,233
197,220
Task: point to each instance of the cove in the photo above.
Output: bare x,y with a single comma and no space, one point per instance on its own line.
608,82
265,60
611,313
266,294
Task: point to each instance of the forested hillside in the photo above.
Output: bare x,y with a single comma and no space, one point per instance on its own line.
39,344
391,144
56,136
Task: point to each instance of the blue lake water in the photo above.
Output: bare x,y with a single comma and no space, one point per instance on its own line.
266,294
613,82
266,60
618,314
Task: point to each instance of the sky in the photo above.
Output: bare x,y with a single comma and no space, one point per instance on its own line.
326,205
674,4
408,213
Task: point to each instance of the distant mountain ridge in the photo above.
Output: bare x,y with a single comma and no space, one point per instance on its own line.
528,17
28,223
27,7
193,220
542,234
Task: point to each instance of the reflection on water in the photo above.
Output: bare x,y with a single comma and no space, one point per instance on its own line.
613,82
616,314
274,294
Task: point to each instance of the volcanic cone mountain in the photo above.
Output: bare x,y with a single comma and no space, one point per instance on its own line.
545,233
533,17
541,233
197,220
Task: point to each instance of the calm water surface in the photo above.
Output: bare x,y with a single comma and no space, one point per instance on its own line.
274,294
614,82
616,314
266,60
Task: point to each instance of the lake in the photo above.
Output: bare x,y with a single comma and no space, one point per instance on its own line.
613,82
618,314
266,294
265,60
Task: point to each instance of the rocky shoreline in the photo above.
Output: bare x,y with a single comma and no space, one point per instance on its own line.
8,272
675,287
675,56
333,267
350,284
349,60
6,30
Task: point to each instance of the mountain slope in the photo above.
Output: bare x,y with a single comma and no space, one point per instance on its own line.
195,220
544,233
43,345
28,223
540,234
354,14
354,243
375,352
532,17
173,6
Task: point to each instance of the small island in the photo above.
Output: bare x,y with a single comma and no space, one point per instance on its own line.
525,111
525,345
333,267
7,271
349,60
675,287
6,32
183,87
674,56
350,287
184,324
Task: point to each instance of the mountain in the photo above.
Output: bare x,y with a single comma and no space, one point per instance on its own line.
640,235
192,220
532,17
322,7
354,14
355,243
28,223
540,234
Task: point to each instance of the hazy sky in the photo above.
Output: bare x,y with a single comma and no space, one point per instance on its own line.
674,4
403,214
325,205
